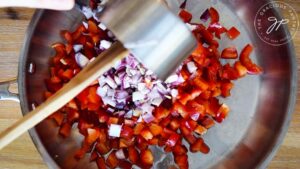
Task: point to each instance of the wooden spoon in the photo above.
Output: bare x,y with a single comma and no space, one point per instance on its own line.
87,76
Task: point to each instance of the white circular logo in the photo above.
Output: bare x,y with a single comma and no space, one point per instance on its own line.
269,26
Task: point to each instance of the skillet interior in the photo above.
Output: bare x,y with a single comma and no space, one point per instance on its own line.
261,106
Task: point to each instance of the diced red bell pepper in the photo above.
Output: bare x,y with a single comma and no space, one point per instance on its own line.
178,107
94,156
208,122
226,87
114,143
214,15
125,164
229,73
202,84
200,130
112,120
133,155
126,142
138,128
146,134
166,121
78,32
246,61
126,132
141,143
174,124
72,104
233,33
204,149
229,53
182,161
171,142
185,15
58,117
92,96
92,135
81,152
112,161
93,27
161,113
153,141
155,129
65,130
222,113
67,36
72,115
242,70
101,163
196,146
103,148
180,149
83,126
147,157
60,48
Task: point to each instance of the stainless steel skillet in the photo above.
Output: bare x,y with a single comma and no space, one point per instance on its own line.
261,106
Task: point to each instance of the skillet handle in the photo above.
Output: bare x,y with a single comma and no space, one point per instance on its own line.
5,94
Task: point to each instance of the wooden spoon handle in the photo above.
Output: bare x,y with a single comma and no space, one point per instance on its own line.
88,75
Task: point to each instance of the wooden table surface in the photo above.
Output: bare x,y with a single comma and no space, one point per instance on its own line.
22,154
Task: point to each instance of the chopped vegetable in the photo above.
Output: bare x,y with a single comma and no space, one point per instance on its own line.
233,33
128,110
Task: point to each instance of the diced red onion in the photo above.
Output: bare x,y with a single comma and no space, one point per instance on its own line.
114,130
195,116
110,110
110,34
102,26
125,82
117,80
86,26
140,119
111,82
102,91
110,93
205,15
109,101
172,78
120,154
174,93
121,113
136,96
104,44
161,88
137,112
191,67
129,114
157,101
101,81
215,25
154,94
81,60
88,13
146,107
95,16
148,117
77,48
121,94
